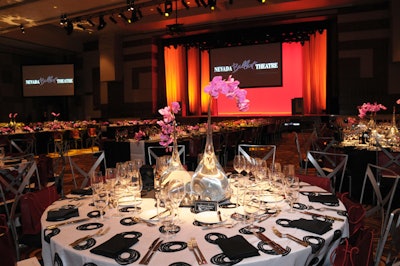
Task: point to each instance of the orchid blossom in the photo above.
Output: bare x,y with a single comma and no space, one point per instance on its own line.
168,123
368,107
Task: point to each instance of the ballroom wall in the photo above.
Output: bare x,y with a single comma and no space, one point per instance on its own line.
361,68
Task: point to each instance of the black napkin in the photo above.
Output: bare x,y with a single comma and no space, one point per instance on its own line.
313,226
328,198
62,214
82,191
114,246
237,247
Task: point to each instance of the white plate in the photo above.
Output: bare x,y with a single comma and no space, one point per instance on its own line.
209,217
147,214
272,198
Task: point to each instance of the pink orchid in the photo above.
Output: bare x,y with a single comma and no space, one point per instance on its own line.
168,123
398,101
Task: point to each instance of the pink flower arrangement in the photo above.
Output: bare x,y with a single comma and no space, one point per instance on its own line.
56,115
12,115
368,107
230,88
168,123
140,135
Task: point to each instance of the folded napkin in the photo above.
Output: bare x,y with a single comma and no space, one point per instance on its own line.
237,247
327,198
313,226
82,191
62,214
114,246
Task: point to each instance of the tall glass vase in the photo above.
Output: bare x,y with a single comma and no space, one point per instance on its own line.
175,169
209,181
393,133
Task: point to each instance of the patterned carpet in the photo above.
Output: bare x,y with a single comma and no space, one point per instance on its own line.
285,154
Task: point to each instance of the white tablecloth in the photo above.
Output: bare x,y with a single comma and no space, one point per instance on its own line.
58,252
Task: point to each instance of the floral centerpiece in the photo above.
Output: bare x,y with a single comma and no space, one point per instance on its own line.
371,109
209,181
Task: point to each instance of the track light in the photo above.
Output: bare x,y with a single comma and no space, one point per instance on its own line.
135,16
160,11
102,23
203,3
130,4
121,15
198,3
212,4
262,1
91,22
21,27
167,8
112,19
185,4
63,19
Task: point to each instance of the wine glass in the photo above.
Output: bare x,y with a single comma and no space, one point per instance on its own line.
96,181
135,184
162,163
101,200
292,194
176,193
251,205
238,163
110,178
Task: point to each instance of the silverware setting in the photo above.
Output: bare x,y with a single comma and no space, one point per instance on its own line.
190,246
323,216
289,236
140,220
153,250
159,214
101,232
321,209
195,246
153,244
53,226
275,246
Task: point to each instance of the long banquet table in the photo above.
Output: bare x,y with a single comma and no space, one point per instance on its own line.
57,251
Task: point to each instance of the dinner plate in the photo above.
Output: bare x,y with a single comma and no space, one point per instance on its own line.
272,198
209,217
148,214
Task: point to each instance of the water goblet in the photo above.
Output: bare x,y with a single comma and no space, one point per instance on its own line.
292,195
101,200
238,163
176,193
96,180
251,205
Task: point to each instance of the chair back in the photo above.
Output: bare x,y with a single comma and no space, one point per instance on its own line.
383,182
265,152
388,248
328,165
156,151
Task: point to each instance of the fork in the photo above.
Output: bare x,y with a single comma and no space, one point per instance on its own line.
196,246
101,232
191,248
140,220
288,236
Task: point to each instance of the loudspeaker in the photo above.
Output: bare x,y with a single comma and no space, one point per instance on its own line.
297,106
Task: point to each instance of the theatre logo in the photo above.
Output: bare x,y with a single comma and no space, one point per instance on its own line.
49,79
246,65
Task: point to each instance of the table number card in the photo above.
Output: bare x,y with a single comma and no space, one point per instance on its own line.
202,206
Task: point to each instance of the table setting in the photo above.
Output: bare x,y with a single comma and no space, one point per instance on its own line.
273,229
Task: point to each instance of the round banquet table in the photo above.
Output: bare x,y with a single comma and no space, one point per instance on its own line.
57,251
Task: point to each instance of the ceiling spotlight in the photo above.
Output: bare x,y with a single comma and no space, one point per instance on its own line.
134,16
198,3
167,8
91,22
130,4
112,19
102,23
63,19
203,3
212,4
139,12
22,29
185,4
159,10
262,1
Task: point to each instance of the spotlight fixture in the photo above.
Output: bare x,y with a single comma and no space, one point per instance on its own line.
121,15
102,23
22,28
63,19
91,22
198,3
130,4
203,3
139,12
134,16
167,8
112,19
262,1
212,4
185,4
160,11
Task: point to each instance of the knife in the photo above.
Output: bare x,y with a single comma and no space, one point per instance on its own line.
143,260
275,246
53,226
155,248
158,214
324,216
291,237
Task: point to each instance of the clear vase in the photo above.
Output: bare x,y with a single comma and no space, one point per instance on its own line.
393,133
175,170
209,181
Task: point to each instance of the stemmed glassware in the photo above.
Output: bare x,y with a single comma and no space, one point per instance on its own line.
238,163
251,205
135,184
101,200
292,192
161,165
176,193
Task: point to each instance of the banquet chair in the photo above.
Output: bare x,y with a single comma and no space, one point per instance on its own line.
329,165
27,170
100,160
153,152
388,248
383,182
265,152
22,146
388,159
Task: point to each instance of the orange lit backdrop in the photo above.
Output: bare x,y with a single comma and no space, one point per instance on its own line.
304,76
